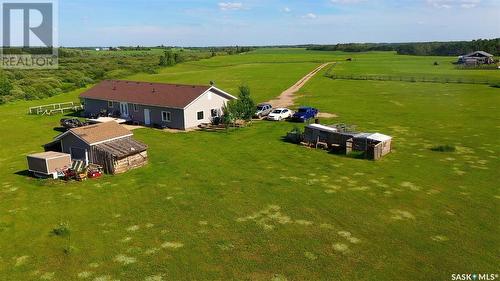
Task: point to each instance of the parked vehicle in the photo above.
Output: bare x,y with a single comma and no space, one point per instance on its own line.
263,110
70,123
304,113
279,114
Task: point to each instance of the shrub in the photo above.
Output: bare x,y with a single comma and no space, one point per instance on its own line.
444,148
61,230
5,86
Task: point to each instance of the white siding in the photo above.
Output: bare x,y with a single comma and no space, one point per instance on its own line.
206,102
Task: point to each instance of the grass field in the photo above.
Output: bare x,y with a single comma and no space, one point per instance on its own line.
244,205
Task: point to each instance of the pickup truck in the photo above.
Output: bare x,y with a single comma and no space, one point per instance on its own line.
304,113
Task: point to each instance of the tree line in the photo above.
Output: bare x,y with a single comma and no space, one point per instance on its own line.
79,67
454,48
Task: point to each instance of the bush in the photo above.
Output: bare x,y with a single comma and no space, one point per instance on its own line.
444,148
62,230
5,86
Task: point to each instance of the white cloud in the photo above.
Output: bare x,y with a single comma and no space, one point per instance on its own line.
287,10
310,16
447,4
226,6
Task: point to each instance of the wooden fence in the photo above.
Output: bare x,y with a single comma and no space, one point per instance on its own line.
55,108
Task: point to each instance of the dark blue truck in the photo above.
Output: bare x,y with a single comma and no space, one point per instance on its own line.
304,113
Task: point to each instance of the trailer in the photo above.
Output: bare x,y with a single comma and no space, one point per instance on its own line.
48,164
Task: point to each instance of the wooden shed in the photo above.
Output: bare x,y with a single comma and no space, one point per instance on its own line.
379,145
315,133
341,137
107,144
47,164
120,155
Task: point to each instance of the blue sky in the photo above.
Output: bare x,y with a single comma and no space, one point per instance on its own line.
272,22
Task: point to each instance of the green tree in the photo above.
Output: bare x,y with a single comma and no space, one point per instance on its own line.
245,105
178,58
5,86
170,57
229,113
163,60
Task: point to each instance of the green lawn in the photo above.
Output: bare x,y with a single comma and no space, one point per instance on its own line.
391,64
244,205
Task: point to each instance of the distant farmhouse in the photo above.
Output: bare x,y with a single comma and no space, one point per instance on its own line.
476,58
166,105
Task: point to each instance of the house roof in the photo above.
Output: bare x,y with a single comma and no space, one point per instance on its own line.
154,94
99,133
482,53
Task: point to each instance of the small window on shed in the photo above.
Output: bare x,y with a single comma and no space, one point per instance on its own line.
136,107
214,112
166,116
200,115
110,104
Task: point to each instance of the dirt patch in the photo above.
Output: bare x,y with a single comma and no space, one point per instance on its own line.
125,260
287,98
172,245
327,115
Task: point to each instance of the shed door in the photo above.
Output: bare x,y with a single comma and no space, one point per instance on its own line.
147,117
78,153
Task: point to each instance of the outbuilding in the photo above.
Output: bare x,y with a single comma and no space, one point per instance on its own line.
476,58
107,144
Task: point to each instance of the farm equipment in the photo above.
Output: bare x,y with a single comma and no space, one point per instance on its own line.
69,174
94,171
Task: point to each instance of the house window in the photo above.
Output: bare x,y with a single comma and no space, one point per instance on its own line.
166,116
214,113
200,115
136,107
110,104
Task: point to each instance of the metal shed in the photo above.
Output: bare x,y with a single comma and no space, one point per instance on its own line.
48,163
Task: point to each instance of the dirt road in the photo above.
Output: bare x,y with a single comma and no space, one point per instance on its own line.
286,98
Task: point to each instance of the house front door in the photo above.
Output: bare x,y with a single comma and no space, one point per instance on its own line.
147,117
124,109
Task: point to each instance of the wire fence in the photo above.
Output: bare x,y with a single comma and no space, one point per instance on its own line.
430,79
413,79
